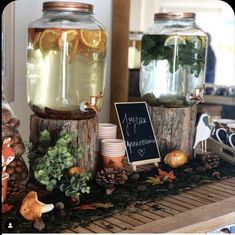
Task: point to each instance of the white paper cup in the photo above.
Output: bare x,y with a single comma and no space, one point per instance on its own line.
112,147
106,131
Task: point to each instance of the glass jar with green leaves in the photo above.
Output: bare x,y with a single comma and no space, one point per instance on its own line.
173,57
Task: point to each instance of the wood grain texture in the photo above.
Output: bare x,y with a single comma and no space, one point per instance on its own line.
174,128
194,217
119,63
85,134
209,225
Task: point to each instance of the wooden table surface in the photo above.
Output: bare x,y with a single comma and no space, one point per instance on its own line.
197,210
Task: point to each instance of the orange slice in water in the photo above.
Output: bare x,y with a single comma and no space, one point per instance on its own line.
49,39
90,37
31,34
103,44
67,37
36,40
72,35
73,48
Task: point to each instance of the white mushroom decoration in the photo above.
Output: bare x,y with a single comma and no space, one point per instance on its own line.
32,209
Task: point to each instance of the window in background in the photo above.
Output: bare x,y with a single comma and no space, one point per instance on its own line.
213,16
217,19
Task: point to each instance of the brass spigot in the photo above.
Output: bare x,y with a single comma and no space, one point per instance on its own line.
91,104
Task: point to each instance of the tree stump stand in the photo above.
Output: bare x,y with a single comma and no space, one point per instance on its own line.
85,134
174,128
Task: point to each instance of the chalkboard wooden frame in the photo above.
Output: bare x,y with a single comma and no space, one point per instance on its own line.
130,123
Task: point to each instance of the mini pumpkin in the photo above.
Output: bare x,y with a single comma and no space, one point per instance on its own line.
176,158
74,170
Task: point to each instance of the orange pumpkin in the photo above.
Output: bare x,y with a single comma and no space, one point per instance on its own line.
176,158
73,170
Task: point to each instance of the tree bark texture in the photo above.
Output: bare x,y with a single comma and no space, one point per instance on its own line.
174,128
85,134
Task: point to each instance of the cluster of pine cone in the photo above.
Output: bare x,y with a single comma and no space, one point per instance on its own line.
17,169
209,160
109,177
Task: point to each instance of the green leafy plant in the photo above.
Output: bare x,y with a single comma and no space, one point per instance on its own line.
77,185
191,53
50,162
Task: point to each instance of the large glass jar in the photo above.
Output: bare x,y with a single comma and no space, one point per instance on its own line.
173,59
66,58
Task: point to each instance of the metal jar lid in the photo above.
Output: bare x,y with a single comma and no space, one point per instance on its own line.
174,15
68,6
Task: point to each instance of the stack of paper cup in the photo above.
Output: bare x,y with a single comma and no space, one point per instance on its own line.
106,131
113,152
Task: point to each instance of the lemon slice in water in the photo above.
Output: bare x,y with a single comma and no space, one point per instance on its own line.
174,40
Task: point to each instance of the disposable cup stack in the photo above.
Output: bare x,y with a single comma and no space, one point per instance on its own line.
106,131
112,152
112,147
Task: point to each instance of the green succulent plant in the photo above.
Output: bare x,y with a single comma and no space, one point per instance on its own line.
50,162
77,185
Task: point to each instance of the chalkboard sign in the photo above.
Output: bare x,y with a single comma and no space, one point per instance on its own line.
137,131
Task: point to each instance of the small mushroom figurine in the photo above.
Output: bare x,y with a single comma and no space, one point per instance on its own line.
32,209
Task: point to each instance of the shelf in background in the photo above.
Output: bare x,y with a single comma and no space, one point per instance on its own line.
223,100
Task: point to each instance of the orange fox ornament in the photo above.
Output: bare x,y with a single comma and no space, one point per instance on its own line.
8,154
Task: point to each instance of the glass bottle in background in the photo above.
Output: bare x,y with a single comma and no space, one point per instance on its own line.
173,61
134,50
66,58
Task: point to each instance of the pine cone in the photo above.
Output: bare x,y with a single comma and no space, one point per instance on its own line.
15,190
106,177
209,160
120,176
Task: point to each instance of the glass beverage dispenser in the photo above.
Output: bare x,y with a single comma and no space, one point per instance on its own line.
66,57
173,59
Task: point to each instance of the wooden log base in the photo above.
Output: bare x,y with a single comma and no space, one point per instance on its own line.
174,128
85,134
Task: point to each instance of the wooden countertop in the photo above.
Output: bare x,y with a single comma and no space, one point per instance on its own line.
198,210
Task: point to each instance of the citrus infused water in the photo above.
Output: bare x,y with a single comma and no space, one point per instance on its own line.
65,71
172,69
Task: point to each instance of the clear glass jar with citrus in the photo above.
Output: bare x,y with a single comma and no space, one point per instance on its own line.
66,59
173,59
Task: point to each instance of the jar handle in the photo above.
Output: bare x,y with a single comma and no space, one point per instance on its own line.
218,137
230,140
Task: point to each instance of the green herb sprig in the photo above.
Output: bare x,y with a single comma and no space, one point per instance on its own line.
188,55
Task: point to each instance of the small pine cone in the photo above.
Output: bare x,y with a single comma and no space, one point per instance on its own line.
210,160
120,176
106,177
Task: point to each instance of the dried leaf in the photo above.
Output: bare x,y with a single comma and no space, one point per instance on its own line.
6,208
154,180
103,205
166,176
87,207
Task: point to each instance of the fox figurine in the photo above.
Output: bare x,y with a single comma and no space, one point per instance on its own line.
8,154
